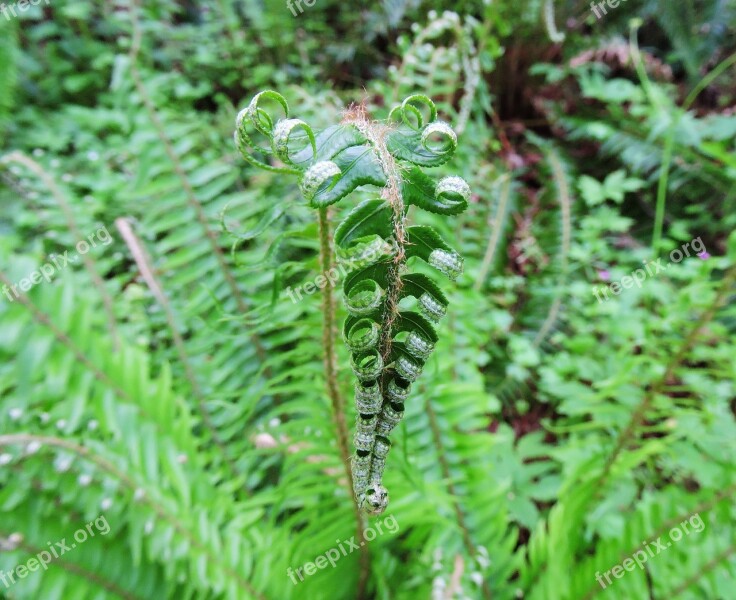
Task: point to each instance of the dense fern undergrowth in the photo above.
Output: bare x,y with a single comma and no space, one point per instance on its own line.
211,356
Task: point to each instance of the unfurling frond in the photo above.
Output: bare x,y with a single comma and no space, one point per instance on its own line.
389,345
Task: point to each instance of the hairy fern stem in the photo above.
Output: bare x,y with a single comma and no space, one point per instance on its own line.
375,133
338,403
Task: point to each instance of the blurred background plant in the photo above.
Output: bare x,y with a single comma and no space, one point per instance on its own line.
549,439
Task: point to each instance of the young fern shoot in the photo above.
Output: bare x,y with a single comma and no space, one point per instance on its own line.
389,344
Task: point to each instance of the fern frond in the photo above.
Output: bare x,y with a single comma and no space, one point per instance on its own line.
389,346
440,68
117,436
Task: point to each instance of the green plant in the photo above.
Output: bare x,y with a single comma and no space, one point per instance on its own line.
389,344
549,435
8,67
440,59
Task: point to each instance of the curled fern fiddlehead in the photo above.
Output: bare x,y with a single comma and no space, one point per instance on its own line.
389,344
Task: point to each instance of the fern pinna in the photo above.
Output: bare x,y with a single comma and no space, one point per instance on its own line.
388,342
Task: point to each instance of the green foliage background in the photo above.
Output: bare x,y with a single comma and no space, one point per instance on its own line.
169,382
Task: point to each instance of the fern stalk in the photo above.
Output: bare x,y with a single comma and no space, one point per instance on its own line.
447,476
157,507
565,202
638,416
703,571
338,403
376,135
141,259
555,35
32,165
703,507
669,144
184,179
61,337
67,565
498,223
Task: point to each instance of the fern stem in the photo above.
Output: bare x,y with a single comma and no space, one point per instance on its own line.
669,142
189,192
664,172
670,145
157,507
338,403
707,80
670,139
490,253
328,339
33,166
376,134
75,569
41,317
555,35
447,476
702,571
666,526
638,416
142,260
565,201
